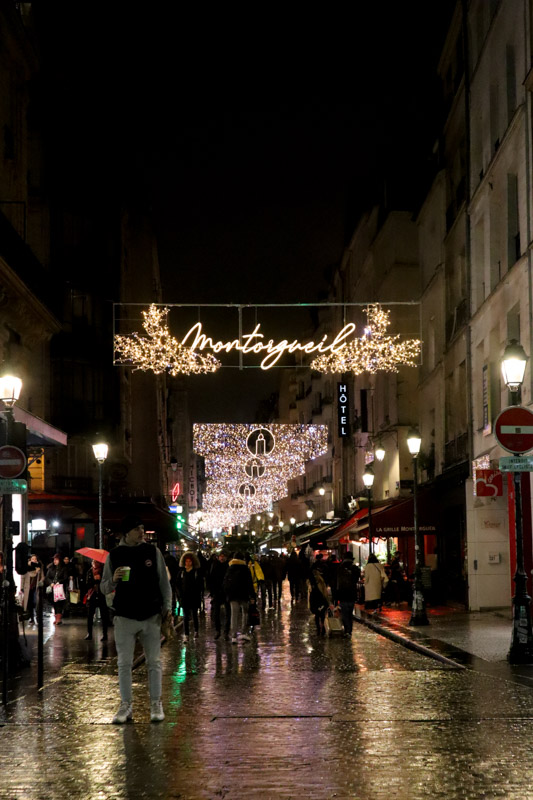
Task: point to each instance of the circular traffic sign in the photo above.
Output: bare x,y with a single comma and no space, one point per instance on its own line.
514,429
12,461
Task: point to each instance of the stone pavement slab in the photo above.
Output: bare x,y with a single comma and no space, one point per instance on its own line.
287,716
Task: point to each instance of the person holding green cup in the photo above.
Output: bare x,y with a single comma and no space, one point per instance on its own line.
136,573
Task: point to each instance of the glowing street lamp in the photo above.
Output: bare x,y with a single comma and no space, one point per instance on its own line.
100,450
368,480
418,613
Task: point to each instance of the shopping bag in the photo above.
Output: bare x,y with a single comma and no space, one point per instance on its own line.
333,624
59,592
74,596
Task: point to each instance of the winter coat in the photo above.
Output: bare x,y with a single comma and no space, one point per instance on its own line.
279,567
257,573
318,593
215,579
346,587
374,575
238,583
57,575
29,582
190,585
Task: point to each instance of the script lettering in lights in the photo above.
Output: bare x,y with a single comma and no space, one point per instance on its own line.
157,350
254,342
175,491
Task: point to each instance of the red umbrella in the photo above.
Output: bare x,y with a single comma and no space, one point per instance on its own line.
94,553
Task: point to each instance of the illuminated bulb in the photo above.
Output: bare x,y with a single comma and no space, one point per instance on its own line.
374,351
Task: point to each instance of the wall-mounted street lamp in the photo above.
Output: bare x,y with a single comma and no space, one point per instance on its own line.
309,514
418,613
100,450
10,388
514,362
379,452
521,651
368,480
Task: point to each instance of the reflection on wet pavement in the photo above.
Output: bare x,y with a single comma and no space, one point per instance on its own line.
285,716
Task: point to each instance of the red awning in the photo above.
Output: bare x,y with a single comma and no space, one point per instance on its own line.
398,519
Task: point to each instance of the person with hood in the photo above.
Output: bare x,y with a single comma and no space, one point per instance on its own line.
239,590
258,578
215,584
136,573
348,575
375,579
190,585
57,576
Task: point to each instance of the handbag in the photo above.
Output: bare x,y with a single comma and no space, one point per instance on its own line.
74,596
59,592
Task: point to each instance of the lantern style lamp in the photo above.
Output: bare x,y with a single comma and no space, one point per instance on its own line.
100,450
513,367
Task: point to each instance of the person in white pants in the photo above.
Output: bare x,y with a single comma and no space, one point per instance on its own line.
135,572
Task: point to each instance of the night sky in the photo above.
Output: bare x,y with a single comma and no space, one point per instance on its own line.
256,137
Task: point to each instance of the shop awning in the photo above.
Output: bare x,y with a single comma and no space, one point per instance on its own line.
344,528
74,508
398,519
38,432
316,536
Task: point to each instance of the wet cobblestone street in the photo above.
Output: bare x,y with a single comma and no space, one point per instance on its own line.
285,716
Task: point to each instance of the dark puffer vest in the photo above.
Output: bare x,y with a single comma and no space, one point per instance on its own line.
140,597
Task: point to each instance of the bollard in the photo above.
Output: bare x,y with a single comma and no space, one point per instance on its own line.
40,637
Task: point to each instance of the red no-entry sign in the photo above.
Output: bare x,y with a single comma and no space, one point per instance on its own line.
12,462
514,429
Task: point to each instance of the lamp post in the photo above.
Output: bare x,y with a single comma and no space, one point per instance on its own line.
521,651
368,480
100,453
10,387
418,612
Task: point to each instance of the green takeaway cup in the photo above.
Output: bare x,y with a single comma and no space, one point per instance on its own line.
126,573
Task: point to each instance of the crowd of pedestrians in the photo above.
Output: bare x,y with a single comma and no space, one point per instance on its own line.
139,590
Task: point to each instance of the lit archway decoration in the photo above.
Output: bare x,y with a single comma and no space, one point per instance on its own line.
159,351
374,351
226,452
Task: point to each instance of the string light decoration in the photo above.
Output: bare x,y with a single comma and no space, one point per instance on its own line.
226,450
374,351
158,350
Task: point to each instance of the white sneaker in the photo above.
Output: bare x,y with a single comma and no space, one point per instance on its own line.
185,639
234,640
156,711
245,637
124,713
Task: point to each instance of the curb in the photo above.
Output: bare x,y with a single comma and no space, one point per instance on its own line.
406,642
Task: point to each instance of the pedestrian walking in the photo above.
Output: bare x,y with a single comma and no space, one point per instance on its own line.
215,585
268,572
258,578
56,582
375,580
190,584
29,582
293,574
239,590
135,571
318,600
348,575
279,568
96,600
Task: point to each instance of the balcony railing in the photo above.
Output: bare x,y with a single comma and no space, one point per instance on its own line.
456,450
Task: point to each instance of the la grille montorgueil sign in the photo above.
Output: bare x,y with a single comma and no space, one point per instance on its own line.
199,351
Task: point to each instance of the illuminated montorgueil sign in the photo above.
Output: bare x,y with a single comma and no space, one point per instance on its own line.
157,350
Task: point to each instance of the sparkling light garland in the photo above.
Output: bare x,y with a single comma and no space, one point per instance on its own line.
159,351
279,453
375,351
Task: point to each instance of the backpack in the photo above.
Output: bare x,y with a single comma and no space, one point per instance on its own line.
22,556
344,579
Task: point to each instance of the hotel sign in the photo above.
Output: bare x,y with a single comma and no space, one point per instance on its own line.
343,410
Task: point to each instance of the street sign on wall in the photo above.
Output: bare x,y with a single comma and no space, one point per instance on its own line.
13,486
514,429
516,464
12,461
